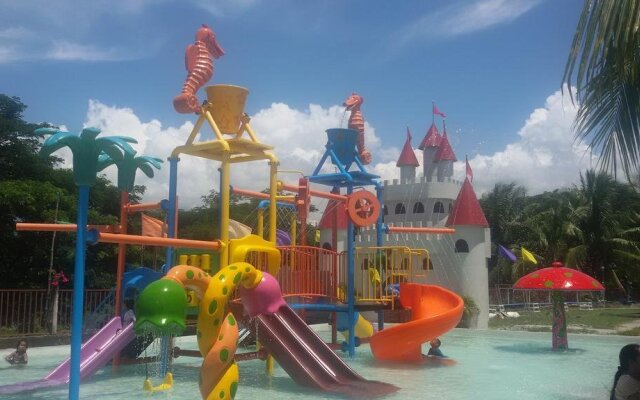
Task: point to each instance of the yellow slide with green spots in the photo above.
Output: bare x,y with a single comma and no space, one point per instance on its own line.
162,306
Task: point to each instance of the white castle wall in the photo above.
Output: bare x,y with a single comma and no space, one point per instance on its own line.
463,273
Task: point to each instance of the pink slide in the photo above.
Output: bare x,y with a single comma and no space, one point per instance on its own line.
299,350
434,312
309,361
95,353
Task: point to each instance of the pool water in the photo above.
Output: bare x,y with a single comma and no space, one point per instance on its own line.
489,365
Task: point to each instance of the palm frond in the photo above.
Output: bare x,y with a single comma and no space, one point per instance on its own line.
104,161
604,61
90,133
57,141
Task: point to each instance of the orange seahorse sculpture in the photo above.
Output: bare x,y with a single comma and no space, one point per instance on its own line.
199,63
356,122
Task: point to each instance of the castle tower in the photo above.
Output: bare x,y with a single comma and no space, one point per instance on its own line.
473,242
407,162
429,147
457,262
444,158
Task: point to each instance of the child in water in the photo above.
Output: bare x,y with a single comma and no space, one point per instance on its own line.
435,348
18,357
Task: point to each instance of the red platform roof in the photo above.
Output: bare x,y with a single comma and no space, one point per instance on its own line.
327,220
432,138
466,209
407,156
445,152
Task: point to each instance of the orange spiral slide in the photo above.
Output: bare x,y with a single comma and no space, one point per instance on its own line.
434,311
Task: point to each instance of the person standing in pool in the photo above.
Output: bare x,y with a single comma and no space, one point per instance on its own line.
19,357
626,383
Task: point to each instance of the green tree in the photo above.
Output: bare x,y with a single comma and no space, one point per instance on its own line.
603,65
603,221
503,208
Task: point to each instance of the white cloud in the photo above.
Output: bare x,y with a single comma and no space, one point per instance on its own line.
221,8
545,157
462,18
68,51
298,139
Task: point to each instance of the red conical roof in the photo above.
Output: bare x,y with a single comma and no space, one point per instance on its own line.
327,220
466,209
407,156
431,139
445,152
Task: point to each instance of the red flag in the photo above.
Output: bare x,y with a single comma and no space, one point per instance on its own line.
469,171
436,111
153,227
408,134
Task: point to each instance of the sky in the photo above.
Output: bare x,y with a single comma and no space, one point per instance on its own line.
493,66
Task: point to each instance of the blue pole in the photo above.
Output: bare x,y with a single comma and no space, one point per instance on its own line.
78,293
171,213
350,284
379,222
171,226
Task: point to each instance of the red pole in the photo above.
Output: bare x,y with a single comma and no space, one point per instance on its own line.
122,249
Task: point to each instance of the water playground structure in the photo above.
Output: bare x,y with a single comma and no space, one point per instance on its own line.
253,273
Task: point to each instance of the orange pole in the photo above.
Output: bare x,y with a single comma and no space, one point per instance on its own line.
402,229
131,208
317,193
257,195
157,241
27,226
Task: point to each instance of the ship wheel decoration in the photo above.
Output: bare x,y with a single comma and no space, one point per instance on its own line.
363,208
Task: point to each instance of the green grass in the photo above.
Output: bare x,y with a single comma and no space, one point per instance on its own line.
599,318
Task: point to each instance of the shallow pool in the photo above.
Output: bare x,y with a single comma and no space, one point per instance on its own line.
489,365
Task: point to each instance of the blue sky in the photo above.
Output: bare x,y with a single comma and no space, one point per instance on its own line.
493,66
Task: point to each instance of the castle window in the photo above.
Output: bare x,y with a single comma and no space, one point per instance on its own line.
385,210
427,264
462,246
400,209
418,208
438,207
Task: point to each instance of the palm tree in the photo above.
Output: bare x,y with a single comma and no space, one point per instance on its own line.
503,209
604,66
550,221
127,168
602,224
86,151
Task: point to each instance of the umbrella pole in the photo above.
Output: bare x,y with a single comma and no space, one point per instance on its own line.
559,330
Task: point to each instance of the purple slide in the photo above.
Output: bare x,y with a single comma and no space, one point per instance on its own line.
297,348
308,359
95,353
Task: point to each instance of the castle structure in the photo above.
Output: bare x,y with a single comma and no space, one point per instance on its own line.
432,198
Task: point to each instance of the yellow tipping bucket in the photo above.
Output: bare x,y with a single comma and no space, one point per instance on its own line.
227,106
